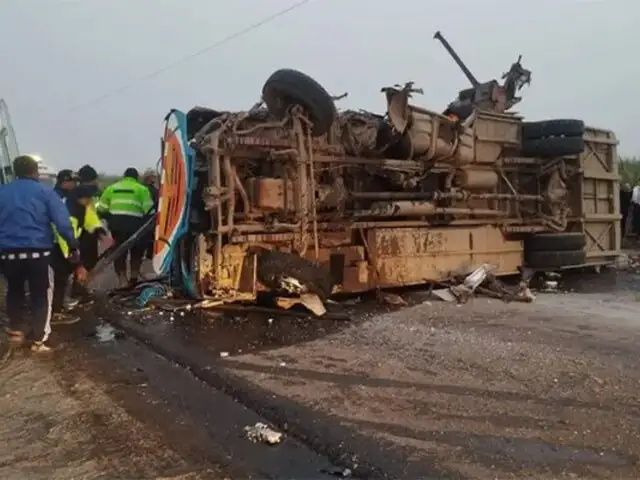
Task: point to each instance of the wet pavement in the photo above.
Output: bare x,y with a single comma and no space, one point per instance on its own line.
429,391
437,390
199,421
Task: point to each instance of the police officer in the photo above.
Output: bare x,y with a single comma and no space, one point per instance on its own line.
28,209
83,218
65,181
125,204
87,176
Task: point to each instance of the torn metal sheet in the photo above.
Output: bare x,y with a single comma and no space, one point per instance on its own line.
310,301
464,291
444,294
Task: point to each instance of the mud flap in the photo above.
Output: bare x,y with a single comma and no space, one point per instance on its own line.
174,202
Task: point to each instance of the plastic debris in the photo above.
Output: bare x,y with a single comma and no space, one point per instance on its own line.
155,290
261,433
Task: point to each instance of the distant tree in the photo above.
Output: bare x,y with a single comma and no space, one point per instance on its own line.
629,170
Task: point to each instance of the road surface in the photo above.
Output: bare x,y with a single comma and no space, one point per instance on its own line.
484,390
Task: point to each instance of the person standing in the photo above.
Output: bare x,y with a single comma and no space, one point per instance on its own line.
635,210
65,181
88,176
83,218
149,181
89,249
28,212
625,204
125,205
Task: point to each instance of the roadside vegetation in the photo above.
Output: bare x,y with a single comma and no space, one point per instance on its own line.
629,169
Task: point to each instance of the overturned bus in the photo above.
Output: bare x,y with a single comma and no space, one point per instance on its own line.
296,196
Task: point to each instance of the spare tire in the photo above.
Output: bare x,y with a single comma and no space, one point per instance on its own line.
287,87
552,147
197,118
274,267
561,127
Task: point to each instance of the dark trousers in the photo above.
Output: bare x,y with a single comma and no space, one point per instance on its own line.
32,270
149,241
62,270
135,253
89,249
89,254
635,219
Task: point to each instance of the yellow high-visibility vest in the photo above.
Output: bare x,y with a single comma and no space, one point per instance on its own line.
91,223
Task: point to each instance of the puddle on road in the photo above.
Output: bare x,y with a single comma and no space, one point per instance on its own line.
240,333
237,334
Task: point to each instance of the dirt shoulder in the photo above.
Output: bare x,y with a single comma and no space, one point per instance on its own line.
485,390
61,427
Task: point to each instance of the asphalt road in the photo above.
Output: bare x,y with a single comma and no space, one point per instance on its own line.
485,390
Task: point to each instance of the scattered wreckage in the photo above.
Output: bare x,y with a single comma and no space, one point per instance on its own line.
297,198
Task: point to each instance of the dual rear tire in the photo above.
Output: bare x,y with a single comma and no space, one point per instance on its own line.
547,251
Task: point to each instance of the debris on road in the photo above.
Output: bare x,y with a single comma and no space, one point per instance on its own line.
150,291
261,433
464,284
310,301
338,472
628,261
388,298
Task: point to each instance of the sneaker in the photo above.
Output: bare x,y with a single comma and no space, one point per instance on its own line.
40,347
71,303
15,335
64,319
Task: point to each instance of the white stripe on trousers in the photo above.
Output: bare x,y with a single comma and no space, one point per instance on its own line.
47,323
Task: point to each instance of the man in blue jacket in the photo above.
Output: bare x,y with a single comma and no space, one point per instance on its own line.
28,212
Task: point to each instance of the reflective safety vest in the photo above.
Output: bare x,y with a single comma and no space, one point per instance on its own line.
90,223
127,197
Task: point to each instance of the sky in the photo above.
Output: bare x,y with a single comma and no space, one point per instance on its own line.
58,56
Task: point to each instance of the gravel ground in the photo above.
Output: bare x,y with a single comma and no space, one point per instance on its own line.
486,390
69,428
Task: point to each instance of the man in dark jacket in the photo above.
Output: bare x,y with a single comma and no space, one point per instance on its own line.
28,209
83,218
150,181
89,251
65,181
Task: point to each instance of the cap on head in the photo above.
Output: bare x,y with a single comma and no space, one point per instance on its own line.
87,174
131,173
25,166
65,175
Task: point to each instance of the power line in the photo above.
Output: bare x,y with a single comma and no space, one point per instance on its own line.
189,57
